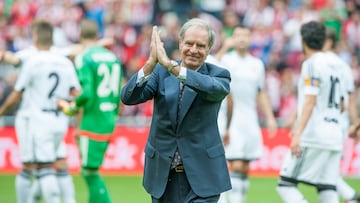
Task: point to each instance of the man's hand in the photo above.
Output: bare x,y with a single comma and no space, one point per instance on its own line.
68,108
152,59
162,57
295,146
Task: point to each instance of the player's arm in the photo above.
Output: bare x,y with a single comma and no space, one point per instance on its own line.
308,106
265,105
75,49
11,101
226,46
10,58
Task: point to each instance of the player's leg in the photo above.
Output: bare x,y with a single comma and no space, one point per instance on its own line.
35,192
239,180
45,175
45,145
346,191
65,180
23,183
24,178
92,154
287,185
239,170
329,176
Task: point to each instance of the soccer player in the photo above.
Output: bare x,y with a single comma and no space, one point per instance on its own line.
316,145
349,116
44,78
246,88
100,76
23,182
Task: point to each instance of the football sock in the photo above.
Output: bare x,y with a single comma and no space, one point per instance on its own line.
97,189
66,185
240,185
345,190
35,192
290,194
328,196
49,185
22,186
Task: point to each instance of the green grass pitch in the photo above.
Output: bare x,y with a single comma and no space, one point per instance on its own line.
128,189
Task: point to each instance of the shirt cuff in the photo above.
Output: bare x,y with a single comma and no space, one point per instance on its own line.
182,74
141,78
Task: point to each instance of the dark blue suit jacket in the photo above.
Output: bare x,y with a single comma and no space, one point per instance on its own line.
196,135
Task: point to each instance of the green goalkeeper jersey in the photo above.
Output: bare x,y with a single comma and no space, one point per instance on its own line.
100,74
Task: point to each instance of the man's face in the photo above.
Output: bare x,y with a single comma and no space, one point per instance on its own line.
241,38
194,48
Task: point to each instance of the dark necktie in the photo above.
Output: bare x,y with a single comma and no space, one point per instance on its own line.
177,158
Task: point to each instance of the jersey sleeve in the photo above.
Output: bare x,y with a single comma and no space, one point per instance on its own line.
311,79
24,78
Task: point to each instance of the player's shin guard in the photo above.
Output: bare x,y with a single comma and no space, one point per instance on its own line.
66,186
345,190
328,196
290,194
48,184
97,189
22,186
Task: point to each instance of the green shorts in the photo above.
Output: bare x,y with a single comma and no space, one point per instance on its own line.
92,152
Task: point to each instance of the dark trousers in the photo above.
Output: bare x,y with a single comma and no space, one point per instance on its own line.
178,190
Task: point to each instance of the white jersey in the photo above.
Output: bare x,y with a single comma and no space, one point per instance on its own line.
25,55
247,79
43,79
349,87
321,77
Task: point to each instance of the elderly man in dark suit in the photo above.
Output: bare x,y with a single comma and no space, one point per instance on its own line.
185,159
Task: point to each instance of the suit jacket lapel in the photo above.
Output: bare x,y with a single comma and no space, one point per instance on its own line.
189,96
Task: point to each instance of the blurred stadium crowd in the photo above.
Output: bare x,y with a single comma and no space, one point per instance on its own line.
275,26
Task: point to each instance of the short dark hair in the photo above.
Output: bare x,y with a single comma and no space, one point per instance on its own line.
88,29
43,30
331,35
313,34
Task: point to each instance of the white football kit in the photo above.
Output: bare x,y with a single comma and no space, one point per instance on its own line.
44,78
322,137
247,79
21,119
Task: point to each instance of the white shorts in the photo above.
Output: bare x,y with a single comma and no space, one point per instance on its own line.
61,150
39,142
25,141
245,144
315,166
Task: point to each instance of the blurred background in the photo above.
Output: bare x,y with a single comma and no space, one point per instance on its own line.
275,26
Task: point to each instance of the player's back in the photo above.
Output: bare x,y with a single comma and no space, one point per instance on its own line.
101,108
45,78
321,77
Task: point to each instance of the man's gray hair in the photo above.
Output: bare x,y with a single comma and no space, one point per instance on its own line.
200,23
